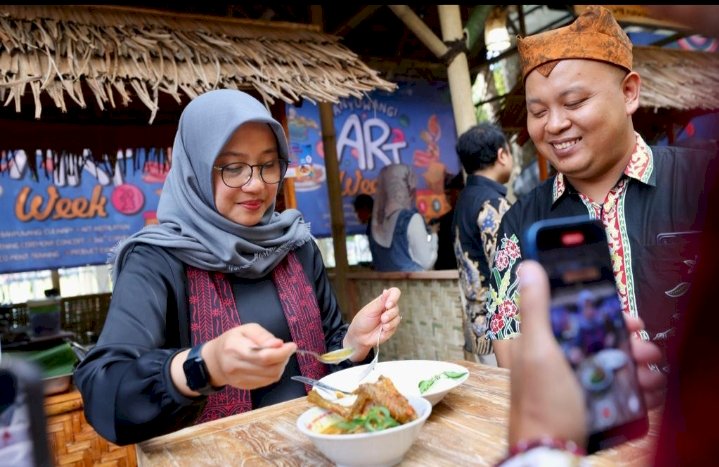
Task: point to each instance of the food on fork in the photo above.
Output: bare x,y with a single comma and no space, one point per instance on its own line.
377,406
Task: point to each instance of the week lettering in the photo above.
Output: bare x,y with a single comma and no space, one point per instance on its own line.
34,207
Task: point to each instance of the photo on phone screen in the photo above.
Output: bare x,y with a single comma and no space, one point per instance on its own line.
588,322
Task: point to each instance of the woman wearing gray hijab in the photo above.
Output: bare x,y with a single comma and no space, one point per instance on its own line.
210,305
399,239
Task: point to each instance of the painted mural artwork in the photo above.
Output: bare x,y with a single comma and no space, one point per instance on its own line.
414,125
66,210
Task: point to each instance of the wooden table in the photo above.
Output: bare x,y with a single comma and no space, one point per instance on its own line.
468,427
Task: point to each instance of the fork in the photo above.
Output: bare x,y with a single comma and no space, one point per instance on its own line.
373,363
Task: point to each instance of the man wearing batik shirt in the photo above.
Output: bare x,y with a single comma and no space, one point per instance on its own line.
488,162
581,94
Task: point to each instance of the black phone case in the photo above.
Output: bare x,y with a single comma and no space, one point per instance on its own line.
551,231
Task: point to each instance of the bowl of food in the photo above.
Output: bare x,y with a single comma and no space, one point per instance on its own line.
374,427
431,379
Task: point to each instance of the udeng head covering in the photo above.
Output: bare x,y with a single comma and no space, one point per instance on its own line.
594,35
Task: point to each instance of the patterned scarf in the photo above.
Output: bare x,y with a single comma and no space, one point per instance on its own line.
213,311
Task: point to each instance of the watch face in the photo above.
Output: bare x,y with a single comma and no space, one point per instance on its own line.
195,372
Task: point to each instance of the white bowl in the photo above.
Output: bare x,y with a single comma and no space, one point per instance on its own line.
406,376
381,448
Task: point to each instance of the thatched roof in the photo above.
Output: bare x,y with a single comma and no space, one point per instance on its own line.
675,83
121,53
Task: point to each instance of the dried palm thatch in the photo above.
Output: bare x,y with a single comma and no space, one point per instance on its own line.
674,82
120,53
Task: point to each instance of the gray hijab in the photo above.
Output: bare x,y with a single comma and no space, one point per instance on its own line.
396,191
189,225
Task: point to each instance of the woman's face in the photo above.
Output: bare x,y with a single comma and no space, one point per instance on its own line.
252,143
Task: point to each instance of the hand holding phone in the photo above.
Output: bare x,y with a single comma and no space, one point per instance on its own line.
588,322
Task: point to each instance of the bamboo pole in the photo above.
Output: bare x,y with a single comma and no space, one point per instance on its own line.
460,85
339,240
334,192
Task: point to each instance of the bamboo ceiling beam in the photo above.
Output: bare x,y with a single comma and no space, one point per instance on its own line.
423,32
355,20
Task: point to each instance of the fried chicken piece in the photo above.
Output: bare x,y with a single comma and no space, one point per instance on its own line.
343,411
381,393
384,393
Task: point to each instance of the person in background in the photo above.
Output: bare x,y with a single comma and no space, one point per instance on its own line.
363,204
399,237
453,186
485,155
210,305
581,94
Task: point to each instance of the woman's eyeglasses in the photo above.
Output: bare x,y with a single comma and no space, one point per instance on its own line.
238,174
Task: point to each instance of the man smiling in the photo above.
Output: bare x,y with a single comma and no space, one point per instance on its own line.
581,94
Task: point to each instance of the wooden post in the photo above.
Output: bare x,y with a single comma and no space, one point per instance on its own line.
334,191
460,85
288,184
339,240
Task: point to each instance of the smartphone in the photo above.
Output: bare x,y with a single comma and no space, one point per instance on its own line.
588,322
23,435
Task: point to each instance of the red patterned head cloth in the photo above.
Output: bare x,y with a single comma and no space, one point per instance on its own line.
594,35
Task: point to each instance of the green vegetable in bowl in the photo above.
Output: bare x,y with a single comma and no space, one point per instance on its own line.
377,418
425,384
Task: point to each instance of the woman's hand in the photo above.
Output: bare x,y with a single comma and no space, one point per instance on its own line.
231,360
364,328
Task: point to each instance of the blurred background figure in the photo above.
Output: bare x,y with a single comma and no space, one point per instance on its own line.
399,237
487,160
363,204
453,186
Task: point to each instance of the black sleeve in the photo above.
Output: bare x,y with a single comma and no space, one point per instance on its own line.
125,379
333,324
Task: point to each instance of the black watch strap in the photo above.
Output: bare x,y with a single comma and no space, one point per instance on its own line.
196,374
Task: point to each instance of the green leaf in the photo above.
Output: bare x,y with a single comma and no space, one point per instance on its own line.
424,385
454,374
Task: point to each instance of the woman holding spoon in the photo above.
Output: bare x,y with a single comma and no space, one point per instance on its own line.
221,275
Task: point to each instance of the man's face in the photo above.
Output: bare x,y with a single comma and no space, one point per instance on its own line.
580,117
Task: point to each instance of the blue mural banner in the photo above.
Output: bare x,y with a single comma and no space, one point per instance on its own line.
60,210
413,125
66,210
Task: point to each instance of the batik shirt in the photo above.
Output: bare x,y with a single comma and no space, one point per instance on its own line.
660,191
478,213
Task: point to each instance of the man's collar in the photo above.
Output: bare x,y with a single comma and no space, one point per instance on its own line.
640,168
477,180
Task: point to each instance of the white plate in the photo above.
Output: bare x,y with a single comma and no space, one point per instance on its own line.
405,374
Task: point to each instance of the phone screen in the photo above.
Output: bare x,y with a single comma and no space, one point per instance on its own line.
588,322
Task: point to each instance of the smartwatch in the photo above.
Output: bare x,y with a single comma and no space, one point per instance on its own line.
198,378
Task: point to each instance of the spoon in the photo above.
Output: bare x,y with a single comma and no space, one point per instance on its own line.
335,356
